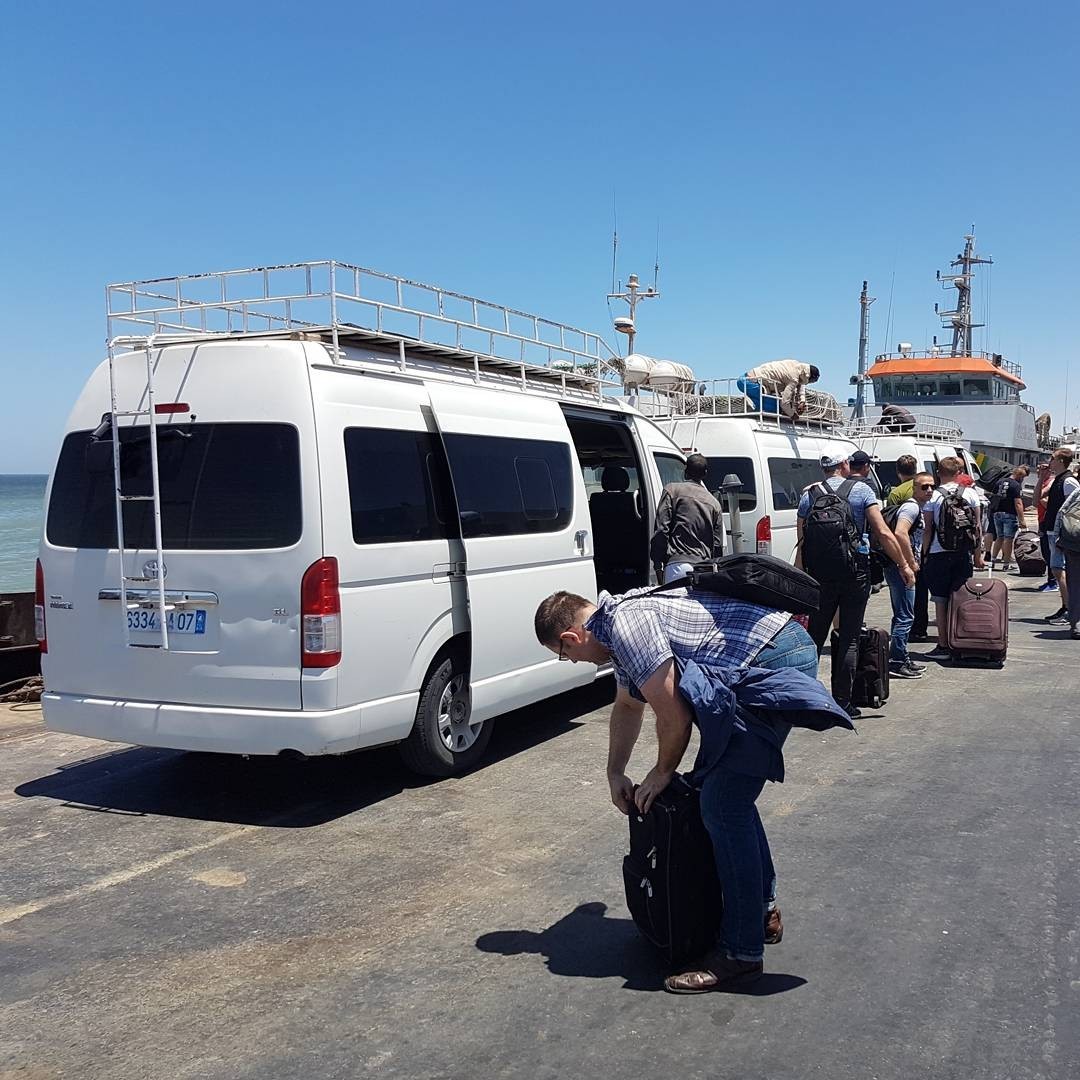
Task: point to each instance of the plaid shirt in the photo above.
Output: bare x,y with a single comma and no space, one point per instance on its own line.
711,629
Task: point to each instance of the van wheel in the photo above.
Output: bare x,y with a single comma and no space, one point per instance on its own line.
443,741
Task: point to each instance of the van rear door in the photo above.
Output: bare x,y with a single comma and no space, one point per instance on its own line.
526,532
240,525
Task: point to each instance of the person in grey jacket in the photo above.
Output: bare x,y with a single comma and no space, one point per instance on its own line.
689,524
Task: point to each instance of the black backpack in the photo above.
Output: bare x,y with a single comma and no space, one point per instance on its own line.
891,515
956,522
831,537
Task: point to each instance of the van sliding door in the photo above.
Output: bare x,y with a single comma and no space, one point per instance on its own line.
526,532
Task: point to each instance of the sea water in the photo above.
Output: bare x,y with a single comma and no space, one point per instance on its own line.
22,501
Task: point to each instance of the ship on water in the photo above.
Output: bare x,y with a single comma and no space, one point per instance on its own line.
978,391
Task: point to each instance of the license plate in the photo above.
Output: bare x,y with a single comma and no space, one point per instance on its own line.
178,622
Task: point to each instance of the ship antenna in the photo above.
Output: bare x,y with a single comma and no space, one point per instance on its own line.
656,265
614,238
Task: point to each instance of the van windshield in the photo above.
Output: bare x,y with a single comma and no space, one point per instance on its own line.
223,487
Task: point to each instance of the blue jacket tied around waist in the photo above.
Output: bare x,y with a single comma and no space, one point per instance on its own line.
744,715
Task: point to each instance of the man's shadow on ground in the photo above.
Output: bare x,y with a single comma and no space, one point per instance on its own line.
586,945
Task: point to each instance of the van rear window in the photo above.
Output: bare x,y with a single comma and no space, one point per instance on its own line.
887,475
223,487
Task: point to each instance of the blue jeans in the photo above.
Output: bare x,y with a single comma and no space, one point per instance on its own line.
903,613
740,846
752,389
677,569
1005,526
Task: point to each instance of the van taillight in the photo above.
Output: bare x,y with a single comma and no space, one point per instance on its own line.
39,607
764,536
320,615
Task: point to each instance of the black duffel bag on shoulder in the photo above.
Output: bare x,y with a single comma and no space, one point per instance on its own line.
756,579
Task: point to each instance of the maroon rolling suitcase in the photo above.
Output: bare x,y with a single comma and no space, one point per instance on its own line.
979,621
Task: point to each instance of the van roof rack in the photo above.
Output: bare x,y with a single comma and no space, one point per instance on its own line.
932,428
341,303
725,398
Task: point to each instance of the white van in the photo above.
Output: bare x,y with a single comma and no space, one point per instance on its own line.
776,460
356,527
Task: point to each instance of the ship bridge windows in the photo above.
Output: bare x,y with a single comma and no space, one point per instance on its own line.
917,388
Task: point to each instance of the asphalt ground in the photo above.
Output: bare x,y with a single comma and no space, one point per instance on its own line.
174,915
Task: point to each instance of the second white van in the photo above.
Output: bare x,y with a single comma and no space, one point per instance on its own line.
775,460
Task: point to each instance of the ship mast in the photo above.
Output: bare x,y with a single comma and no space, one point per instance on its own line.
960,318
865,300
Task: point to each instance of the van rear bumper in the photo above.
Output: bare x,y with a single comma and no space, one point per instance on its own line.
230,730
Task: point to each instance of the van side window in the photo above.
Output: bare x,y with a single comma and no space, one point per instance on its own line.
537,491
509,486
671,468
743,468
790,477
398,486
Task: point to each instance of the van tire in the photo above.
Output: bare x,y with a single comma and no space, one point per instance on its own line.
425,751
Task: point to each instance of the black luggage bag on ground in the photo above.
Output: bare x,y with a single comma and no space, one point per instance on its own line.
871,687
1027,550
672,889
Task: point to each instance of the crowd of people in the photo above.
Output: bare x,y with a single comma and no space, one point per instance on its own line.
744,672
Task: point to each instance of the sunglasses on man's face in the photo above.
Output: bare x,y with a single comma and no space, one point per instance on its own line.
926,487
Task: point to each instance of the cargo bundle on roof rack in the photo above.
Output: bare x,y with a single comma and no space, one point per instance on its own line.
727,398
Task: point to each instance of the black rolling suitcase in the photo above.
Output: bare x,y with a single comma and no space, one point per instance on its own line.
672,889
871,686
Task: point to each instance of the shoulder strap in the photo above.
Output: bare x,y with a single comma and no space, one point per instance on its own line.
845,489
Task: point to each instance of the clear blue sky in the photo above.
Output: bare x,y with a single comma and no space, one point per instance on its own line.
788,150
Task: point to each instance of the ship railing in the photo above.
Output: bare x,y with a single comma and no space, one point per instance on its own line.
728,398
341,301
923,426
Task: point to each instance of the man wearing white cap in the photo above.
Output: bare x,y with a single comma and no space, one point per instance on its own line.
835,518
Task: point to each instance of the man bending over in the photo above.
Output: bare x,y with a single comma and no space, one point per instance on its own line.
643,636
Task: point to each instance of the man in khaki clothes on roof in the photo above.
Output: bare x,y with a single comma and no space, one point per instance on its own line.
785,380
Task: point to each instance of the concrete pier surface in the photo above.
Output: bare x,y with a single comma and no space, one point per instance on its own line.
176,915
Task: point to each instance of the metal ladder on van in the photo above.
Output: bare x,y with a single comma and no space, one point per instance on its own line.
156,603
